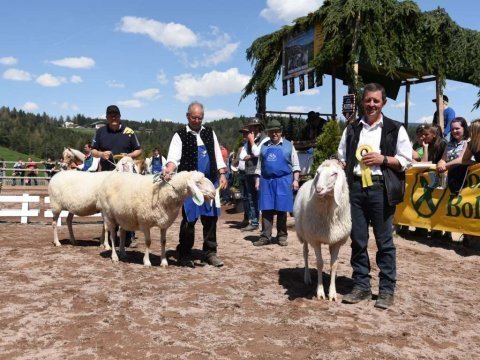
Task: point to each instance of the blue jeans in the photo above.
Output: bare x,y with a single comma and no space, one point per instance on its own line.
369,206
242,185
252,196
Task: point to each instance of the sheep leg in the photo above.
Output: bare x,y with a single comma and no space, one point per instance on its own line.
318,255
334,250
55,233
113,234
306,276
121,248
148,242
104,238
163,241
70,228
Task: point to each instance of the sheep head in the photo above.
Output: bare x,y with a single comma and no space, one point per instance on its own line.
125,164
328,181
201,188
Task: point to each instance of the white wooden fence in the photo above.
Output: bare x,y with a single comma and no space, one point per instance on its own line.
24,212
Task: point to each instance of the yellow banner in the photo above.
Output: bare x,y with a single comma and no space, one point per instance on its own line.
427,205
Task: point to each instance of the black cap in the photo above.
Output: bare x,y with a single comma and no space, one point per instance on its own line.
445,98
113,109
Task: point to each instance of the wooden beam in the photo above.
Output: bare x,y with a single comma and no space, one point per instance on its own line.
440,107
334,94
407,103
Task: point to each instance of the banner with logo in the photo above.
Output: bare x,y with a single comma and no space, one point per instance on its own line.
429,204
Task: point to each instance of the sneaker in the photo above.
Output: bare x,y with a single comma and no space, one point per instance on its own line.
186,261
250,227
282,242
357,295
384,300
213,260
262,241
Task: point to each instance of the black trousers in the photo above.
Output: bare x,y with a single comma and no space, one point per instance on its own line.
187,235
267,224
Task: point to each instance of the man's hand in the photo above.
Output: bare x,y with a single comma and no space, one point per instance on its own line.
295,185
168,170
106,155
257,183
372,158
251,137
223,181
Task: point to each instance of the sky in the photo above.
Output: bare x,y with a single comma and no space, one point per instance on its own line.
152,58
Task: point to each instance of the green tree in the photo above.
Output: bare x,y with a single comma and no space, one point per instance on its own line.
327,144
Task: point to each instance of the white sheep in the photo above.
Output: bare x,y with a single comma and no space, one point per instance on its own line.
76,192
136,202
322,216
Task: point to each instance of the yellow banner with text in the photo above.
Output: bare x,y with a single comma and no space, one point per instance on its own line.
428,204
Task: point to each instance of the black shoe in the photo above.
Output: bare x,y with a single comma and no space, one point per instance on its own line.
262,241
244,223
447,236
186,261
213,260
436,234
357,295
282,242
384,300
250,227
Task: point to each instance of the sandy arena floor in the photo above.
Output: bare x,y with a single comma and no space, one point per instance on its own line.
73,302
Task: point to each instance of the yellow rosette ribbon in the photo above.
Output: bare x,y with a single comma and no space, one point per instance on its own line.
365,170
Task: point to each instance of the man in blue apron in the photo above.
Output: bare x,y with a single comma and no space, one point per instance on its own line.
157,163
195,147
279,172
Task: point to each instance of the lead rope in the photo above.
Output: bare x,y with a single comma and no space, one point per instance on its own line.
160,178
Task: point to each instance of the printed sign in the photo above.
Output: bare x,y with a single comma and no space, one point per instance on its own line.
349,106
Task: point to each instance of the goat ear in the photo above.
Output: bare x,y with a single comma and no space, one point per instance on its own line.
313,187
197,196
337,191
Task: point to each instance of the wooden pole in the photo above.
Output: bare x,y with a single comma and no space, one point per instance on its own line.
407,103
440,107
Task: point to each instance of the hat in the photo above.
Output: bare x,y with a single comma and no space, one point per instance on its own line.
255,121
273,125
445,98
244,129
113,109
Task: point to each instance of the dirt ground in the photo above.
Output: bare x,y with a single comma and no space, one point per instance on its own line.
73,302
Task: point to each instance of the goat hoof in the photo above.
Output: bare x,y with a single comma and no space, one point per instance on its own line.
57,244
164,263
147,264
115,259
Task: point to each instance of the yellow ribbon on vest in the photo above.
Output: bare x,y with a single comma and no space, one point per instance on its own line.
365,170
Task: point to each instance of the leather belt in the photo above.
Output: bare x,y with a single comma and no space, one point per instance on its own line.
375,178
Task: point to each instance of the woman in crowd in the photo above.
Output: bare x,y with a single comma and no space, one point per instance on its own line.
418,144
473,146
433,144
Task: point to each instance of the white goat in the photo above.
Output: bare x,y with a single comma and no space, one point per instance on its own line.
76,192
322,216
136,202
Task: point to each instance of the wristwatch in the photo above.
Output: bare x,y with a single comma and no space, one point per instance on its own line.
385,160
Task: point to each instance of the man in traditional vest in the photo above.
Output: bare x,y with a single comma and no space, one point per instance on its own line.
196,147
279,170
249,154
375,151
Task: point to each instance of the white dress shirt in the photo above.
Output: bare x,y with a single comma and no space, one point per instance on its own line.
371,135
175,149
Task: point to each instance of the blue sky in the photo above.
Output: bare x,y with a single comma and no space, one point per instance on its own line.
152,58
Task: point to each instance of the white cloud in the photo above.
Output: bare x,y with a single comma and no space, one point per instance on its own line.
162,77
293,108
309,92
8,60
287,10
76,79
221,55
132,103
401,105
210,84
217,114
114,84
81,62
169,34
148,94
49,80
17,75
67,106
425,119
30,106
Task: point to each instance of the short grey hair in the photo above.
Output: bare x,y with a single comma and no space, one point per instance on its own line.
195,103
